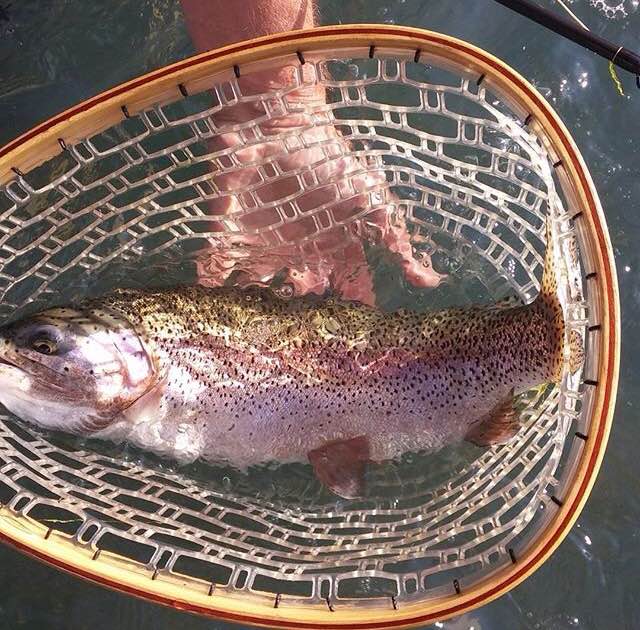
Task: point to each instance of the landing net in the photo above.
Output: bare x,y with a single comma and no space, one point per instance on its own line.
457,150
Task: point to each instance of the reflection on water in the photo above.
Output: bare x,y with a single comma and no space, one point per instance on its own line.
588,583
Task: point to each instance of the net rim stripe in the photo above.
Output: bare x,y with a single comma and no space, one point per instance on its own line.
405,37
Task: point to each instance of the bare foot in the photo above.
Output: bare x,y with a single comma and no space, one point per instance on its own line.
297,199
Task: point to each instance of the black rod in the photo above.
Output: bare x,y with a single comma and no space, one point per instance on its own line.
620,56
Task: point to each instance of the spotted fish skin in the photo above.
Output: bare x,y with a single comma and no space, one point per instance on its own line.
246,377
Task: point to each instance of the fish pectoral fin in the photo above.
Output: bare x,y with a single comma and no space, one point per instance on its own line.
497,427
93,423
148,405
340,465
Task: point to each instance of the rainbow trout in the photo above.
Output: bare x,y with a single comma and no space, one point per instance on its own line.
243,377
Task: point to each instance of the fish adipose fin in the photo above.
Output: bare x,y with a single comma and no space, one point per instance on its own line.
340,465
497,427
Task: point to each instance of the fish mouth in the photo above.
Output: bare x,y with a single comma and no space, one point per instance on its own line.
15,364
33,370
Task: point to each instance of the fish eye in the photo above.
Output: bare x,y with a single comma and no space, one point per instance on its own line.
44,345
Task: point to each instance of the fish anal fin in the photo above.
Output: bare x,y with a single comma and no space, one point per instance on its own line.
94,423
340,465
497,427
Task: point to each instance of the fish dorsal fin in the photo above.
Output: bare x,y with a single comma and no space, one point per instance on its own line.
497,427
511,301
340,465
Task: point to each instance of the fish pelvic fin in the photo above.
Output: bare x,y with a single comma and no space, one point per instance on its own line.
340,465
497,427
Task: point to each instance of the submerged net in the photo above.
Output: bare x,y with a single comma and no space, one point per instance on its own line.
444,157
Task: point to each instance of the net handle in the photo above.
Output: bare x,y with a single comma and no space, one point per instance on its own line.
616,54
166,85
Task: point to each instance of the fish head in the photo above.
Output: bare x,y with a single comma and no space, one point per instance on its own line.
74,370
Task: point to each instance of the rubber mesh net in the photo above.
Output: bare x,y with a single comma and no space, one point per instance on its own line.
446,160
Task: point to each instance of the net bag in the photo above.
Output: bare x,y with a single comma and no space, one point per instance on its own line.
464,155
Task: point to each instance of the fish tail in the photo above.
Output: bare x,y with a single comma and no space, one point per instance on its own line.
550,301
549,286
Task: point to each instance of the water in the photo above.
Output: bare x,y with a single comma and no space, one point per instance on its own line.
55,58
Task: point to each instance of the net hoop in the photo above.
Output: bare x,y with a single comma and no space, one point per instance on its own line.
106,109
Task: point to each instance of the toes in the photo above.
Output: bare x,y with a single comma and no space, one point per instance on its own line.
420,273
352,278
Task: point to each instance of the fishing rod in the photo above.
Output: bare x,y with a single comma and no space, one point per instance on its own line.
618,55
